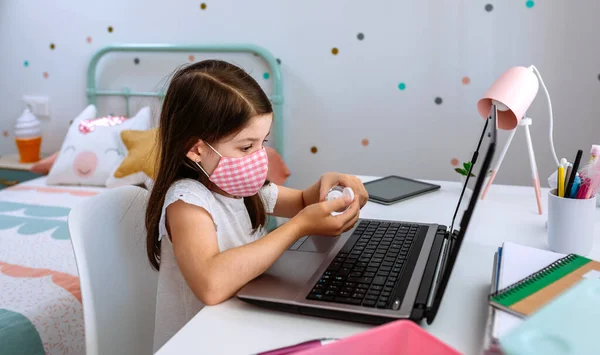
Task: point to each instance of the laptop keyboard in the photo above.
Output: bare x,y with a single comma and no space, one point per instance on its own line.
369,266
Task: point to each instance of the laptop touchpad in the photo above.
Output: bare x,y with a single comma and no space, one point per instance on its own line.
317,244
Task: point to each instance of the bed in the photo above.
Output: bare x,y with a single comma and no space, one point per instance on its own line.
40,301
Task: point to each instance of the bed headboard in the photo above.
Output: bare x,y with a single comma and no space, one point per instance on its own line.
276,96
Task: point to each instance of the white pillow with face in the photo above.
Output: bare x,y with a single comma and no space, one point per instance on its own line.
92,148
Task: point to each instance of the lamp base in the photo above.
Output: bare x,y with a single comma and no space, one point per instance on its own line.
525,123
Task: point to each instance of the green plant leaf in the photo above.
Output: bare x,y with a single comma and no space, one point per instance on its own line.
467,165
461,171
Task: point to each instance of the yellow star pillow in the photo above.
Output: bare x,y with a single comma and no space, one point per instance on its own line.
142,153
142,156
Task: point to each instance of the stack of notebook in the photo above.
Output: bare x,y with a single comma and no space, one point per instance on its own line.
525,280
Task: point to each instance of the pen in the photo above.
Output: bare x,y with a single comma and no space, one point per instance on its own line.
299,347
583,188
567,177
561,181
575,168
575,187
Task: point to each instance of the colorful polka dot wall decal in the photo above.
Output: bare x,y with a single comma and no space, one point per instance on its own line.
313,150
203,6
26,63
266,76
191,58
45,75
110,29
438,100
88,39
402,86
5,133
136,61
52,46
365,142
530,4
334,51
489,7
466,80
454,162
360,36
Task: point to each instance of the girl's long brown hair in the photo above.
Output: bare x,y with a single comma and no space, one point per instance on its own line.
208,100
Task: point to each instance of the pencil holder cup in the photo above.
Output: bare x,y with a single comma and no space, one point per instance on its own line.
570,224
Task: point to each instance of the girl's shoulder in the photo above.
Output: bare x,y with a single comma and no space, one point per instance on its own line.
191,185
189,191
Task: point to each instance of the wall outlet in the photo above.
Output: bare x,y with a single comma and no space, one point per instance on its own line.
39,105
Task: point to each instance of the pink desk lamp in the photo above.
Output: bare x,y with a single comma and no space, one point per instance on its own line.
513,93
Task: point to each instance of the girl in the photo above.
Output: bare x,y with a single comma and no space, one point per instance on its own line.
208,205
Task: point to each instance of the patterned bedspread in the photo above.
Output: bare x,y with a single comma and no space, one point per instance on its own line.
40,300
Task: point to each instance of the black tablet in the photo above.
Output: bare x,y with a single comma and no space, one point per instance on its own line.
391,189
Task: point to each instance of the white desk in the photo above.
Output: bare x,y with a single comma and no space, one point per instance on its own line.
508,213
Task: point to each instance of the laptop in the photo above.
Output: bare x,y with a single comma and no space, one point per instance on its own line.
377,272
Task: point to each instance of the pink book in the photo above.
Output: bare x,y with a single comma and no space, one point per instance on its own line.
401,337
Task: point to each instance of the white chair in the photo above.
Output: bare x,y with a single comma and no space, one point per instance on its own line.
118,285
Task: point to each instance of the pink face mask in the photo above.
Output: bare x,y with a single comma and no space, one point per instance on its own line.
241,177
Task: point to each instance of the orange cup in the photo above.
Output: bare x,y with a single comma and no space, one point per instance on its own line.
29,149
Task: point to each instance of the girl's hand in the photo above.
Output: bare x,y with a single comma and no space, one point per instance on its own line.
329,180
316,219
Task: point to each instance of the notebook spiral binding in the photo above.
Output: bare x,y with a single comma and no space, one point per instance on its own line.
510,290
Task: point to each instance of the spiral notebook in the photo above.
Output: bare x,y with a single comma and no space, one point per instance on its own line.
535,291
515,262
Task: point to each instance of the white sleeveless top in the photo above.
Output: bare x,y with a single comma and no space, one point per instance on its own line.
176,304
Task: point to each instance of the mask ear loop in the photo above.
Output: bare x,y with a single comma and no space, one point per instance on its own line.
197,163
214,150
204,171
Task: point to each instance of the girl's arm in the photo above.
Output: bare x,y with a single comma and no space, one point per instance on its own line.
215,276
291,201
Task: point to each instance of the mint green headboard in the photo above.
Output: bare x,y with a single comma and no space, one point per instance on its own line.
276,96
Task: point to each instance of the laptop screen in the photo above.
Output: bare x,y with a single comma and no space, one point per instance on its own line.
455,239
490,133
486,133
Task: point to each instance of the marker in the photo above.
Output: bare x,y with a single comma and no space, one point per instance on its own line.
575,188
561,181
567,177
583,188
575,168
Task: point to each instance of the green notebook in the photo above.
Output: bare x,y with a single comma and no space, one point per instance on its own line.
535,291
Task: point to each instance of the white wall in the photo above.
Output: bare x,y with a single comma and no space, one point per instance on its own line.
333,102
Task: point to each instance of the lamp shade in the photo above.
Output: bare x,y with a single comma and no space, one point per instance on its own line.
516,89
